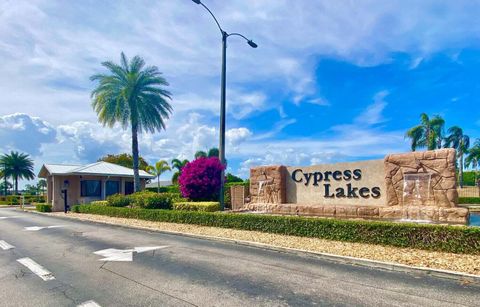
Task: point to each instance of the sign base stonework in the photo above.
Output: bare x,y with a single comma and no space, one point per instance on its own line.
417,186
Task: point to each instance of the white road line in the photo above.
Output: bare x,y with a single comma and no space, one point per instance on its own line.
36,268
89,304
113,254
4,245
37,228
8,217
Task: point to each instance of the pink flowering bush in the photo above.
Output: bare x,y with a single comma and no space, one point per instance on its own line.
200,179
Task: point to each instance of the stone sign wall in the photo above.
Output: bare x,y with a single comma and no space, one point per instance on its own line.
409,186
354,183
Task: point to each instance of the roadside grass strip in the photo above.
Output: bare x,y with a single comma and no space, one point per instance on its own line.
5,246
37,228
89,304
37,269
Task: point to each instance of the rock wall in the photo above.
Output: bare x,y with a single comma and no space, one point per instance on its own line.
418,186
267,184
437,165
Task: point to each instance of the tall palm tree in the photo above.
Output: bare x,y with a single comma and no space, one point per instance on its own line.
18,166
133,96
429,133
473,158
157,170
178,164
461,142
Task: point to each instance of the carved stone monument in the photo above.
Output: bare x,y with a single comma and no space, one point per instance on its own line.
416,186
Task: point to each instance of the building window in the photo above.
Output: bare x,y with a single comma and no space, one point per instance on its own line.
91,188
112,187
128,187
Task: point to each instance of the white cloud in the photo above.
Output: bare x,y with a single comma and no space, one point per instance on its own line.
21,132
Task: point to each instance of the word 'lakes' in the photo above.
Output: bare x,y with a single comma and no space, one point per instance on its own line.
349,191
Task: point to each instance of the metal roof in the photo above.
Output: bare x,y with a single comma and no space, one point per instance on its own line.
98,168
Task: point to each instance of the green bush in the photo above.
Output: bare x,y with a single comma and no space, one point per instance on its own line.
151,200
454,239
13,199
207,206
100,202
167,189
119,200
469,200
43,208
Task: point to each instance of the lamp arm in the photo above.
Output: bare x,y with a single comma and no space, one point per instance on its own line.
214,18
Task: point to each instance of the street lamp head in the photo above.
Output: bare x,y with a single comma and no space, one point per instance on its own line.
197,1
252,44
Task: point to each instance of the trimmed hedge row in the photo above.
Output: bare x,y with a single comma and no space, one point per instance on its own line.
43,208
207,206
469,200
455,239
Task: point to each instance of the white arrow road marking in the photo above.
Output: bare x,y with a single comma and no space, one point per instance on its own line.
4,245
37,228
89,304
113,254
36,268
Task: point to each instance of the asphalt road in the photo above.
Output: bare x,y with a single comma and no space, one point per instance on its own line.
191,272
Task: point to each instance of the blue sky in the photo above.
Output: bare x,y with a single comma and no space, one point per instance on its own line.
330,81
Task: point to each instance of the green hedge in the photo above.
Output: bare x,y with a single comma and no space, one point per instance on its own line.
43,208
469,200
207,206
167,189
100,202
16,199
455,239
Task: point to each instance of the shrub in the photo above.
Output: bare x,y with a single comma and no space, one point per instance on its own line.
43,208
207,206
151,200
118,200
200,179
469,200
99,202
167,189
13,199
454,239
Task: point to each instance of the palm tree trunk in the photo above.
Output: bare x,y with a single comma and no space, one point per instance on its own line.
461,169
136,176
158,184
16,185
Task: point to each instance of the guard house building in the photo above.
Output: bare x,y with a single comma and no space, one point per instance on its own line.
80,184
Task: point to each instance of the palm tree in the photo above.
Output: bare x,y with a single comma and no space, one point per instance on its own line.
200,154
461,142
473,158
18,166
41,185
178,164
160,168
213,152
133,96
428,134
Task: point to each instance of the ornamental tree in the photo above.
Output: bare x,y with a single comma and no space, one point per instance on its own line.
200,179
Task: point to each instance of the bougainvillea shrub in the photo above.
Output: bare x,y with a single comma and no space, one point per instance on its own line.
200,179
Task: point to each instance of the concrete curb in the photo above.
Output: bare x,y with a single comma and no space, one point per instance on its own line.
390,266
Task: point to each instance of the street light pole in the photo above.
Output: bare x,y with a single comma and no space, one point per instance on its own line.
222,119
221,150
